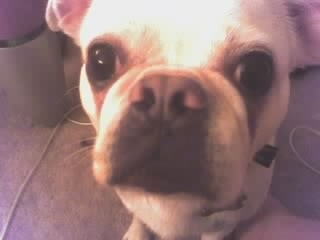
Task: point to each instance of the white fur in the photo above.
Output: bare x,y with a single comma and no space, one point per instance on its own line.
194,34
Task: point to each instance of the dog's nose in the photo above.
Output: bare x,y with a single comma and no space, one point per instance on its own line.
165,116
167,97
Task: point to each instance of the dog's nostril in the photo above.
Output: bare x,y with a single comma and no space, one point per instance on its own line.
187,99
142,98
195,98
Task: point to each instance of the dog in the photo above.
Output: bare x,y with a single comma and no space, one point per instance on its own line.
182,96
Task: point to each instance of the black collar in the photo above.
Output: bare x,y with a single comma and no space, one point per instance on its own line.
266,155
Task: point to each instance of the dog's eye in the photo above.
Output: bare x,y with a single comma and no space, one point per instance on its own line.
102,63
255,73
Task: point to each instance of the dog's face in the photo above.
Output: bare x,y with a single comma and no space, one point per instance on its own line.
181,95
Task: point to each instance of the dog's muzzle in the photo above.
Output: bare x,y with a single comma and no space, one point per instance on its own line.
160,142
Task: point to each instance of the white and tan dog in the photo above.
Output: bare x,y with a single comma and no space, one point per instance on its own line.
182,96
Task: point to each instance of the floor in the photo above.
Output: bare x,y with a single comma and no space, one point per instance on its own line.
62,201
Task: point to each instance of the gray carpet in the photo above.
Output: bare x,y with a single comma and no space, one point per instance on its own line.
63,202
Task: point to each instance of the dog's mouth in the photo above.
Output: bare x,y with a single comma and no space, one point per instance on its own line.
183,210
164,160
236,205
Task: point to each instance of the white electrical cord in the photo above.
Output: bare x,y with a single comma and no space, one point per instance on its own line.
298,155
31,173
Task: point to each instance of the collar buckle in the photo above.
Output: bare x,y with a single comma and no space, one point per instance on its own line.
266,155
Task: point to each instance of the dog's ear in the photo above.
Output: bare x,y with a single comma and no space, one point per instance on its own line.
306,20
66,15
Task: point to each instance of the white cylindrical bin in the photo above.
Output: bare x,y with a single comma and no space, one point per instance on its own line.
31,67
32,78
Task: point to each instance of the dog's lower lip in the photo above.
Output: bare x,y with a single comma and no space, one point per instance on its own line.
206,212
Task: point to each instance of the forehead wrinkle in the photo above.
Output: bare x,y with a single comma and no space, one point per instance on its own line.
183,45
189,34
236,44
166,14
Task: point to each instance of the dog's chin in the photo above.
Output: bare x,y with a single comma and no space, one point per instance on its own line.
180,214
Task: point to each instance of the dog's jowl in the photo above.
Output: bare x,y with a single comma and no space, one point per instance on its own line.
182,96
